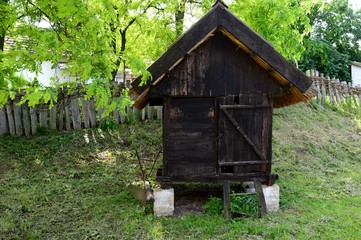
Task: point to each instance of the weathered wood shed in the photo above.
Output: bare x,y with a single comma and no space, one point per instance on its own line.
219,83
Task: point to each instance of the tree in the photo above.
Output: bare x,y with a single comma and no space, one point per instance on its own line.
284,23
334,41
90,35
98,38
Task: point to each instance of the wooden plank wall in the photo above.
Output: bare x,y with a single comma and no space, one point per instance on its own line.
71,112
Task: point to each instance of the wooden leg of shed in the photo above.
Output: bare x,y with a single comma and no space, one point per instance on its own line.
261,198
227,200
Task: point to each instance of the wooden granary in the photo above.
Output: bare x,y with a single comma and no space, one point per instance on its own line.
219,83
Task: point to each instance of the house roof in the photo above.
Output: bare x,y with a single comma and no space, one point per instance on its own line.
358,64
219,18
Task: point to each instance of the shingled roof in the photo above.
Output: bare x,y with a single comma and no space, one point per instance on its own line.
219,18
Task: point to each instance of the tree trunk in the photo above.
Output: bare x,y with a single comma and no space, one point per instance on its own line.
179,17
2,31
2,42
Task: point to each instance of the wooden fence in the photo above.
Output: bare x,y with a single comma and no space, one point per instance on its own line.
74,112
70,112
333,90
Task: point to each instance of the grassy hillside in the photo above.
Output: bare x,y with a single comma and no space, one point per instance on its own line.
72,185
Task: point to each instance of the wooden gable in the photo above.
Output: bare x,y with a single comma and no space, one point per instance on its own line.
218,67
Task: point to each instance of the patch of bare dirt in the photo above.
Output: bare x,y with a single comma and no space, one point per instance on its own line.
189,199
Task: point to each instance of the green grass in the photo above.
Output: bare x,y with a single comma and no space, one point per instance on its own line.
72,185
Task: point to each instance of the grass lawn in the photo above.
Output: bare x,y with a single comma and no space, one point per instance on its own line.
73,185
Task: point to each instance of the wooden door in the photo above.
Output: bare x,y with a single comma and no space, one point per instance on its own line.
245,130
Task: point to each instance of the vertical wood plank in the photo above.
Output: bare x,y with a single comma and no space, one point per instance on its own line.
318,88
43,115
261,198
67,114
166,124
159,112
33,119
75,113
86,115
150,112
61,114
53,118
128,113
122,116
91,111
143,114
136,114
26,120
323,89
353,92
266,133
342,92
17,117
347,92
100,113
116,115
337,88
227,200
3,122
10,116
331,90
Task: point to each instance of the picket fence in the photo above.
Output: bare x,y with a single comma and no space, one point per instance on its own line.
330,89
72,111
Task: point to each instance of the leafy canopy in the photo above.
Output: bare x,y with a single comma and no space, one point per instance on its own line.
99,38
284,23
335,39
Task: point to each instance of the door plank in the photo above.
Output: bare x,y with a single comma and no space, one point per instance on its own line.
239,129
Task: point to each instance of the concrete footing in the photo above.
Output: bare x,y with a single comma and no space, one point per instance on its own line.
163,202
272,197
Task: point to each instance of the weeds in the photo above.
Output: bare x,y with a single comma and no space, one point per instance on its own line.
241,206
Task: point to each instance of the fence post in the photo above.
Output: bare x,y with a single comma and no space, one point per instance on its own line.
75,114
17,116
9,112
323,88
67,112
91,111
53,117
330,90
116,115
136,114
354,95
85,111
43,115
3,122
26,120
159,112
337,88
150,112
33,120
143,114
61,114
317,85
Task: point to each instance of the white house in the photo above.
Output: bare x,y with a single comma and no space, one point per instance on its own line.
48,75
356,73
51,75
